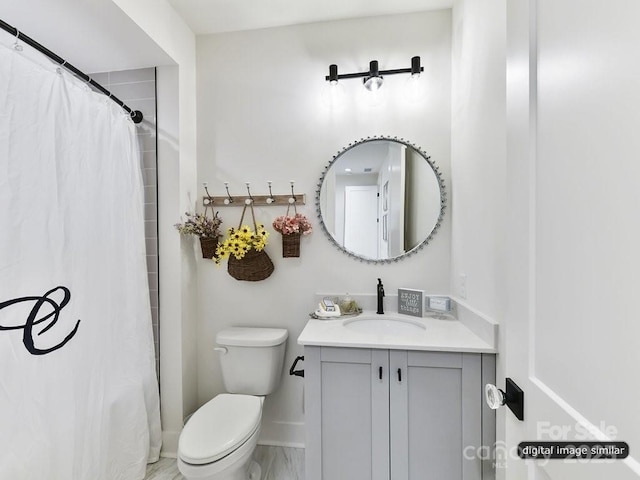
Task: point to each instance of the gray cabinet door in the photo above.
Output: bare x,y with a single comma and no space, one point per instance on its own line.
435,413
375,414
347,410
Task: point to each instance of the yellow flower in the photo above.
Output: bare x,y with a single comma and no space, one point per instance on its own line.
240,240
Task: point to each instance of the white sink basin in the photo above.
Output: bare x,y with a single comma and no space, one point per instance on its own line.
384,324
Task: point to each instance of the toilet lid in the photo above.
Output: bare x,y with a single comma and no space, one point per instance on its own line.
219,427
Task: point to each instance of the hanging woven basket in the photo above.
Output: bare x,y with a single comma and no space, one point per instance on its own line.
208,246
291,245
253,267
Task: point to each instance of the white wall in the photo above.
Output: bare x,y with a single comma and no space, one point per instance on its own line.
478,165
177,186
260,118
94,36
478,153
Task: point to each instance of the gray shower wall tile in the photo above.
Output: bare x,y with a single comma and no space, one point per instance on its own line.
131,76
149,159
147,142
148,124
152,246
134,92
152,263
153,281
137,89
154,302
150,194
151,229
150,213
149,177
101,78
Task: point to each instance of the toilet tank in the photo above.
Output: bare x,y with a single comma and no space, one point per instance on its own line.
251,358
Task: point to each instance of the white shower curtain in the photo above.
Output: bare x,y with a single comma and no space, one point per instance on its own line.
78,389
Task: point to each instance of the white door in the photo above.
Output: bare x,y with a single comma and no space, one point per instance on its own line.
572,339
361,220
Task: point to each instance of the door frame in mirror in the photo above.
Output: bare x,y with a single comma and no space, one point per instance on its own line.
440,181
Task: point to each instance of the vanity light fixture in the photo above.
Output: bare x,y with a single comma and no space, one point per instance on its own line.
374,78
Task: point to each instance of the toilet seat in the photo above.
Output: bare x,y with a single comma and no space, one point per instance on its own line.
219,427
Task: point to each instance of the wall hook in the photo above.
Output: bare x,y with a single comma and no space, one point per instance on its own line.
292,199
209,200
249,200
270,199
228,200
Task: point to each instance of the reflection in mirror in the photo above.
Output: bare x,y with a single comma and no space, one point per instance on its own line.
381,199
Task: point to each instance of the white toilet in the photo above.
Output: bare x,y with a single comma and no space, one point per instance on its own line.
218,441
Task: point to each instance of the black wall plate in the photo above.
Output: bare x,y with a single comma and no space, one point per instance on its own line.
515,399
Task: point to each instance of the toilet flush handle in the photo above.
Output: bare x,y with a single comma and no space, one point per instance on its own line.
222,350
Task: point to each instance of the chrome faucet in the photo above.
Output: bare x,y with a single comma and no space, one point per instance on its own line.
380,297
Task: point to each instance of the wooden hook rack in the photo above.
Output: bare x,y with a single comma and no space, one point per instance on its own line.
229,200
258,200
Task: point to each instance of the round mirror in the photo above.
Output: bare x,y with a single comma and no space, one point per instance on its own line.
381,199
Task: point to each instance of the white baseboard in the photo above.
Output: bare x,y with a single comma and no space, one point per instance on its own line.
169,444
282,434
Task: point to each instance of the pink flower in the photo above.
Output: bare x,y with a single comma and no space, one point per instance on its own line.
288,225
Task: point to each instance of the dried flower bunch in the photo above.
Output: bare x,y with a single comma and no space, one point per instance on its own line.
240,240
201,225
288,225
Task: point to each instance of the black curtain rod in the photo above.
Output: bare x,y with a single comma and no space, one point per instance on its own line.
136,115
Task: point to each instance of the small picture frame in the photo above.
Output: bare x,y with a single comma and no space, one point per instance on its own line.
411,302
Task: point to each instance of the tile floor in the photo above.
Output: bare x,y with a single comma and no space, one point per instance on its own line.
278,463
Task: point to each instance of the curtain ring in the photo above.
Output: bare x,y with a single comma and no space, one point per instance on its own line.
16,45
87,83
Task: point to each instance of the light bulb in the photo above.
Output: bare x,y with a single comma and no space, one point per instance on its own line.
374,98
373,83
415,89
333,95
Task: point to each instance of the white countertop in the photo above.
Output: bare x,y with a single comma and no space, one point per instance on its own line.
448,335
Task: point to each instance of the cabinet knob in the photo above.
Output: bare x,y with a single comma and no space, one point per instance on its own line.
380,373
400,375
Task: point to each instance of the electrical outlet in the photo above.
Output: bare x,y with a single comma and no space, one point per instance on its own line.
463,285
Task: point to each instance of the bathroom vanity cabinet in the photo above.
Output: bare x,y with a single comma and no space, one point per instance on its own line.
378,414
